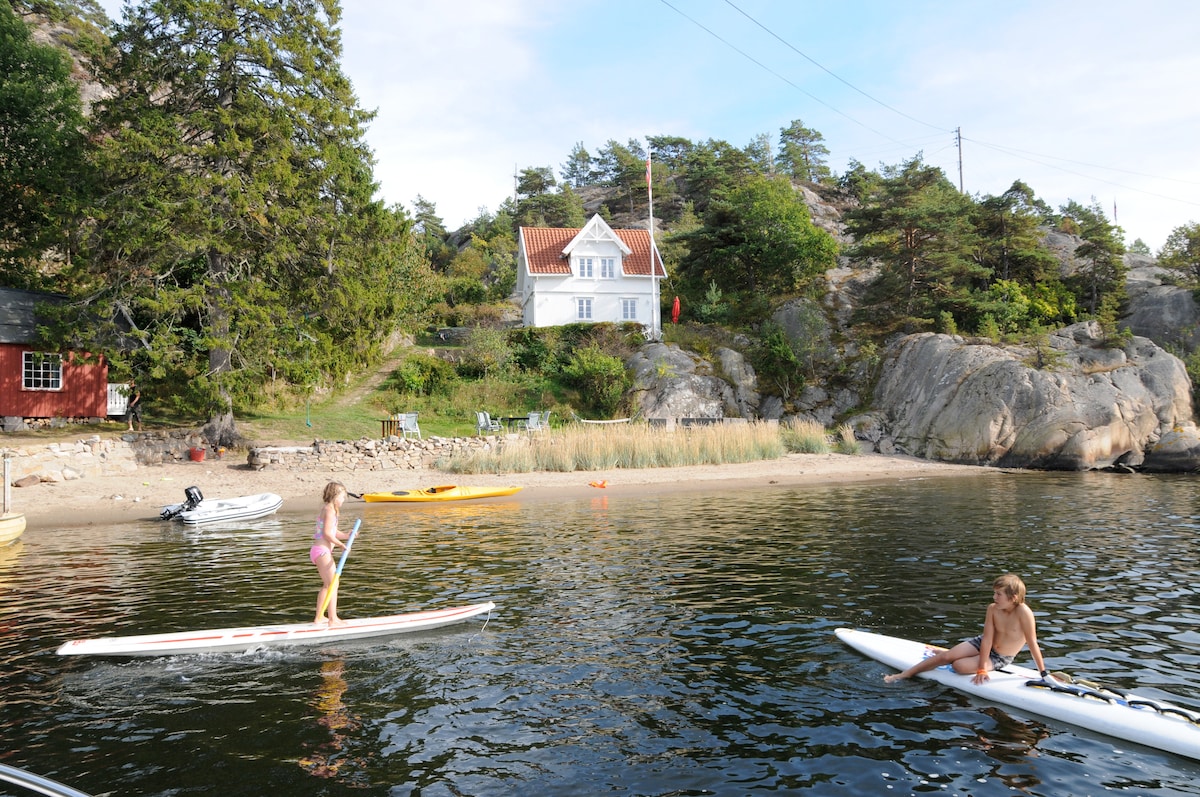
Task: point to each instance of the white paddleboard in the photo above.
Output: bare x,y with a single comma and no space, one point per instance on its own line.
1124,715
225,640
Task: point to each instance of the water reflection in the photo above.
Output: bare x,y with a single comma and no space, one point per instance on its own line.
672,644
327,758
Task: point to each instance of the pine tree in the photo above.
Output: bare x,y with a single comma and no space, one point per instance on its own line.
1181,252
237,233
42,181
802,153
1099,280
916,225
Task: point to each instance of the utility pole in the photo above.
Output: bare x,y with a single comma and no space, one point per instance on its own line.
958,137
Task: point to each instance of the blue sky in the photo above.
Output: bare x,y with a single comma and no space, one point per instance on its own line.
1081,100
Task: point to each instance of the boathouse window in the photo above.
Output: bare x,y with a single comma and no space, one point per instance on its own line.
41,371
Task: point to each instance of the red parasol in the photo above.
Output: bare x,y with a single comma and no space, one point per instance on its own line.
675,311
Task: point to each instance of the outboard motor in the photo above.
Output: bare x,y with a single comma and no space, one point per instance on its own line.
192,499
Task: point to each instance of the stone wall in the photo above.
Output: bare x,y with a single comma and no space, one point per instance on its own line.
392,453
56,462
96,456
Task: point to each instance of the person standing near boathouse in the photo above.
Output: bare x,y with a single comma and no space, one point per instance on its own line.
133,409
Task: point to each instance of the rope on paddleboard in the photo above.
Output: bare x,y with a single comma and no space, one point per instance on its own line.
483,627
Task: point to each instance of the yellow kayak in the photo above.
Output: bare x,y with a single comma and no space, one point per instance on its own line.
445,492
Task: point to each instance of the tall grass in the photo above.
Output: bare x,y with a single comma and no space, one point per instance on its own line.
634,446
804,437
846,442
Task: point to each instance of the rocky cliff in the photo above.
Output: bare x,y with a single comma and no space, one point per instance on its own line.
1078,405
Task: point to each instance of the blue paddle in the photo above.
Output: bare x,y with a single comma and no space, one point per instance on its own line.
337,574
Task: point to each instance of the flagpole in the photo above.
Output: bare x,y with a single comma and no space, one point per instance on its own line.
655,311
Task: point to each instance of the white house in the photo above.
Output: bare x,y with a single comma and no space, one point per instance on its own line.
591,274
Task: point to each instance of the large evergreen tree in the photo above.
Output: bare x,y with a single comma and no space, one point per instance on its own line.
538,205
802,153
916,225
1099,279
237,234
623,168
1010,237
42,180
431,232
714,166
577,171
758,240
1181,252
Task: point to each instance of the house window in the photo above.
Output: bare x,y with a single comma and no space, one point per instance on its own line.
41,371
629,309
585,267
608,268
583,308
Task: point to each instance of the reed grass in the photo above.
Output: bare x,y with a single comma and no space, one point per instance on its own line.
846,442
804,437
636,446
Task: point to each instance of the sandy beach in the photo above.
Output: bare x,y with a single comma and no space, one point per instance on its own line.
141,495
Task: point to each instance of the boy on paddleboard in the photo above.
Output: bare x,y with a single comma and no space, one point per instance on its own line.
1007,628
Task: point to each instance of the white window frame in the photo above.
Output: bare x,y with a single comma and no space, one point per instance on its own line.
584,267
629,309
41,371
583,308
608,268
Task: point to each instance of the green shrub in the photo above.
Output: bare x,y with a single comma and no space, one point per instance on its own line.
467,290
539,349
422,375
776,362
599,377
486,353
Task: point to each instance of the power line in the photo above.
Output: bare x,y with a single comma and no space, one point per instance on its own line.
766,68
834,75
959,138
1014,150
1014,153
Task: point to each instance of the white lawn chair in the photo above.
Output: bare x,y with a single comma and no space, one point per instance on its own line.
408,425
484,423
536,422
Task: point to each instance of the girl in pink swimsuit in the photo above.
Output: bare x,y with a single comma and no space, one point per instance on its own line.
325,540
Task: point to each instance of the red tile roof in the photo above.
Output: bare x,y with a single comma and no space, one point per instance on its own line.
544,247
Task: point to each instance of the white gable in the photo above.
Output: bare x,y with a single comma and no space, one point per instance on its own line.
596,236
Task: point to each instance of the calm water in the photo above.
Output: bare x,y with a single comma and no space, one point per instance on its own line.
673,646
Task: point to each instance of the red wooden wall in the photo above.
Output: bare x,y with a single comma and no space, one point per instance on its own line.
84,391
